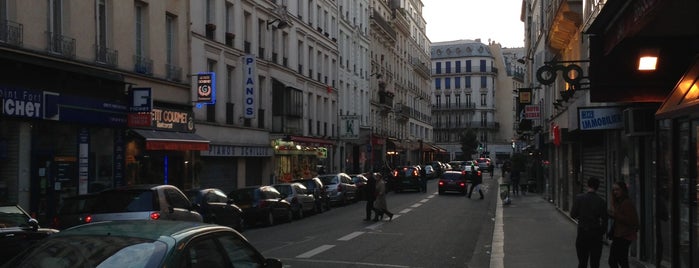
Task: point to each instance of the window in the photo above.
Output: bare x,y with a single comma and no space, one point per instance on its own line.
140,13
467,99
438,100
484,120
169,39
203,253
211,108
101,24
467,82
438,68
457,99
448,67
447,83
438,83
468,66
484,81
457,82
482,65
483,99
447,100
458,66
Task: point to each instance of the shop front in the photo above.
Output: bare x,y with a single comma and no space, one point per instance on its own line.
300,157
229,167
165,152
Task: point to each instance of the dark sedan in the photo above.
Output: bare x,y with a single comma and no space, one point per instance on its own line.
261,204
145,243
215,207
18,231
406,178
453,181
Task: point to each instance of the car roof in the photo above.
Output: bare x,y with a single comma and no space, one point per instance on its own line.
145,229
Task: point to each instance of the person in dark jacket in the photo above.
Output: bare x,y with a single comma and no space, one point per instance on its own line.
475,182
624,227
369,195
590,210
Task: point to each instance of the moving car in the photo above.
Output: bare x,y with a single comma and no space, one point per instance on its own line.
315,186
261,204
301,200
404,178
453,181
340,188
145,243
142,202
18,231
483,163
215,207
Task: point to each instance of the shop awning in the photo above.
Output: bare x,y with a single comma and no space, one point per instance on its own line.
172,141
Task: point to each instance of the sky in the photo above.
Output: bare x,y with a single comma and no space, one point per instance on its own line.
498,20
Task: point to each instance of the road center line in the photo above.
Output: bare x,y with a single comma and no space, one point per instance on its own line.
424,200
416,205
315,251
350,236
405,211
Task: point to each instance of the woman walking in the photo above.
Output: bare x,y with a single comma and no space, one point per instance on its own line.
624,227
380,205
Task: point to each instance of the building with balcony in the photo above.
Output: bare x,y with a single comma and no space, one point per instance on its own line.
94,96
467,91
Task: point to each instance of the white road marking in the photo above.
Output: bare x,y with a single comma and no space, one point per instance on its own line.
362,264
416,205
405,211
315,251
424,200
498,245
350,236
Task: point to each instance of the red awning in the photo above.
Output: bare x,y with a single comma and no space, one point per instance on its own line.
172,141
310,140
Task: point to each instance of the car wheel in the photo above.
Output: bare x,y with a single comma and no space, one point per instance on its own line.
289,215
299,215
270,219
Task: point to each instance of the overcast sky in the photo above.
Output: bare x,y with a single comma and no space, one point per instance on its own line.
498,20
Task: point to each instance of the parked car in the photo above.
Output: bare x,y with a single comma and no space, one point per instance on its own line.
261,204
360,181
18,231
453,181
406,177
145,243
301,200
340,188
215,207
142,202
74,210
315,186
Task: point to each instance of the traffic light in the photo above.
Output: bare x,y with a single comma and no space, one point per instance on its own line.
480,147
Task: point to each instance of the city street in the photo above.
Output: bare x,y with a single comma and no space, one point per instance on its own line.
428,230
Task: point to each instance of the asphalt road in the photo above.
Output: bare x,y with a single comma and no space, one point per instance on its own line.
428,230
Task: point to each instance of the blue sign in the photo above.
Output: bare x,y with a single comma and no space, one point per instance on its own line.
140,100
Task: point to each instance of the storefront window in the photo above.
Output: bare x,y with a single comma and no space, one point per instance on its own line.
664,192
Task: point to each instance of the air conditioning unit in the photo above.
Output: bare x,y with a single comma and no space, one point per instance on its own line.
639,121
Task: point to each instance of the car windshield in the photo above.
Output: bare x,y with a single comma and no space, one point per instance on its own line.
242,196
329,180
11,216
91,251
125,201
452,176
283,189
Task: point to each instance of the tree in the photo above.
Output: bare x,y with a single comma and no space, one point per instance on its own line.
469,142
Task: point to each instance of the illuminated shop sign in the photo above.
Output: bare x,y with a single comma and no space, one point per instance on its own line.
249,87
206,88
172,120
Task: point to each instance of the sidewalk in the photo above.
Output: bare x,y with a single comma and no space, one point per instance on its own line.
532,232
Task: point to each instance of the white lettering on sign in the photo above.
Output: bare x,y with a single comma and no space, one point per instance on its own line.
249,86
20,103
237,151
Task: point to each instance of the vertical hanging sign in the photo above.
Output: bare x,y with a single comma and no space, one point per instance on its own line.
249,86
206,88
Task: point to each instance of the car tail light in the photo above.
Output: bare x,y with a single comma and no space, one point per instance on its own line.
462,184
441,183
87,219
395,173
479,173
154,215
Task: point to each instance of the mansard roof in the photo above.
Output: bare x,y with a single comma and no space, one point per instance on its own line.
459,49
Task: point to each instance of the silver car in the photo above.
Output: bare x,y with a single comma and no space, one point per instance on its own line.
143,202
340,187
301,200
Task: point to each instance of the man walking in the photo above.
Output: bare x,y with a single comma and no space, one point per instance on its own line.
370,195
475,182
591,212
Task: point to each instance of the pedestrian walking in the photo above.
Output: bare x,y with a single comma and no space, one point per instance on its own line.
380,206
589,209
476,182
515,176
506,167
491,169
369,195
624,225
